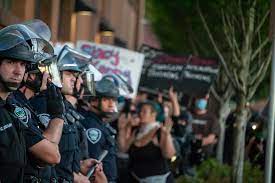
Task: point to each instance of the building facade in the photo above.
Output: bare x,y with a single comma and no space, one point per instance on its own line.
116,22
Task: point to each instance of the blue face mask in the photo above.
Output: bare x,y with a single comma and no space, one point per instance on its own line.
201,104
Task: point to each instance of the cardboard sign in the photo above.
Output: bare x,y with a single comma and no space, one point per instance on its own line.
114,60
188,74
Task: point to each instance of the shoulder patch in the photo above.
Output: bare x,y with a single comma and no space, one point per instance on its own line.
93,135
44,118
22,114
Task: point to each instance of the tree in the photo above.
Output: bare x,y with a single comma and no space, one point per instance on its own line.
180,30
237,32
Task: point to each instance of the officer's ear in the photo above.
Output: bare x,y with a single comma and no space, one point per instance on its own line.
94,102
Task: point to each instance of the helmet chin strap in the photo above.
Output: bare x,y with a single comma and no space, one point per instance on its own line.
106,116
34,84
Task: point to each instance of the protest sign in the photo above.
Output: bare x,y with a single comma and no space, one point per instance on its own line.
188,74
114,60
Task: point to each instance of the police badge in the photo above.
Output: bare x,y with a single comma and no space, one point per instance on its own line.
93,135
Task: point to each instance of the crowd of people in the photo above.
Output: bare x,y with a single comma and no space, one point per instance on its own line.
58,125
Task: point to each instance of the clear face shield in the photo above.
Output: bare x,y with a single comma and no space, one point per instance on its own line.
50,66
71,59
90,76
88,84
125,89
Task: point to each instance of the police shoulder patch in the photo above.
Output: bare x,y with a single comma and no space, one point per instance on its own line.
93,135
22,114
44,118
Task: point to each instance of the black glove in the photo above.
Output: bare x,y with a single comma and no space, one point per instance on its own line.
55,105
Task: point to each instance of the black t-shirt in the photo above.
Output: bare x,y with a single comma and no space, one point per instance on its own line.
206,124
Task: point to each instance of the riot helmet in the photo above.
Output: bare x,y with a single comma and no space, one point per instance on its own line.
71,60
49,66
106,88
27,42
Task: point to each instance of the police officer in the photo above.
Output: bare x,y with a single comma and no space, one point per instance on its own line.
51,129
101,136
17,48
43,146
69,169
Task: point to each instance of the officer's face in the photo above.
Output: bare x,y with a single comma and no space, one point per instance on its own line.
12,71
68,82
108,104
146,114
79,82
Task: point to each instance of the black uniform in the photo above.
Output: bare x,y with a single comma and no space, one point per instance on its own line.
12,145
69,142
32,171
101,136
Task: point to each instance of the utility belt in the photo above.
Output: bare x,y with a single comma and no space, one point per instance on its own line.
33,179
152,179
62,180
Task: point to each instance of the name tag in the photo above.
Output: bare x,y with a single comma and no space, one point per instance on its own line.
2,128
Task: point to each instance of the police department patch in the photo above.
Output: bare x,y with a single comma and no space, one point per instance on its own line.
21,114
44,118
93,135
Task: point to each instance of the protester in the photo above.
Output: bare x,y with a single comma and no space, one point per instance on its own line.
205,126
149,146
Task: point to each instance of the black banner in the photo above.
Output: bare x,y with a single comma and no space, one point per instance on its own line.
188,74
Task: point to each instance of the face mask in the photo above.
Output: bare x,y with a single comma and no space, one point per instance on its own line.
201,104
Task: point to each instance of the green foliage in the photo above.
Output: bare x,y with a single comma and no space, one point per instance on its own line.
252,174
211,171
180,30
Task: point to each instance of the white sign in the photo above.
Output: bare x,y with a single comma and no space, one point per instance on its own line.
114,60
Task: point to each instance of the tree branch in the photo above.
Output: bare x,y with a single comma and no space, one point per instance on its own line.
239,86
227,26
262,22
258,50
198,44
254,76
215,94
193,46
253,87
215,46
241,15
228,92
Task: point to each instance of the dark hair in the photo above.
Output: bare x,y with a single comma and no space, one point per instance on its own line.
154,106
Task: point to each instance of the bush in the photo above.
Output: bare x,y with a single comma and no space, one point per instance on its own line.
211,171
